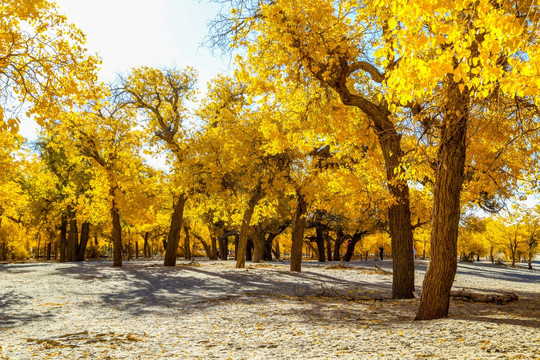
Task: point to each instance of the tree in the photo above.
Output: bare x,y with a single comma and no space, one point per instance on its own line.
303,41
42,60
161,96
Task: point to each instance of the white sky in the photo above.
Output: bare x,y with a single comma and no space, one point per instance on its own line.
129,33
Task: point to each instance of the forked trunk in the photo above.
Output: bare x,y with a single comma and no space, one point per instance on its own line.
299,225
256,196
435,298
173,237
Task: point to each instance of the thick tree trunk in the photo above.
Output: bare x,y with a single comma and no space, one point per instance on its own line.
328,243
187,249
223,247
277,251
236,241
249,249
257,236
63,238
173,237
73,235
213,244
85,234
299,225
146,246
255,197
435,298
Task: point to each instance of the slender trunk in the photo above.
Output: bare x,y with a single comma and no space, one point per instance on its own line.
136,249
435,298
213,244
236,241
491,254
85,234
319,240
299,225
268,246
187,248
399,213
351,244
223,247
328,242
256,196
146,247
116,235
249,249
258,244
173,238
277,251
207,248
340,238
73,236
63,238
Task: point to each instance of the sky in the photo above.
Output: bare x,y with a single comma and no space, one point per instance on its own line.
130,33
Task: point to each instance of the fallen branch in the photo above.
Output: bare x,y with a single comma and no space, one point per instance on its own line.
500,299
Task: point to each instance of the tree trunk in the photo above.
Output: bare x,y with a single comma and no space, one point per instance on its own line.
257,236
187,249
299,225
173,238
136,249
399,213
73,235
63,238
277,251
435,298
268,242
223,246
85,234
351,244
146,246
236,241
340,238
249,249
256,196
328,242
319,240
213,244
116,235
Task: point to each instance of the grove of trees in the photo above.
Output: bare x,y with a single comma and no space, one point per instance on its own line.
345,126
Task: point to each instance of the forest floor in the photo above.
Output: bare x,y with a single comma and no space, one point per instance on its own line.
210,310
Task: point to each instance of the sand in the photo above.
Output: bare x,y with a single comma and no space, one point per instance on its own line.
210,310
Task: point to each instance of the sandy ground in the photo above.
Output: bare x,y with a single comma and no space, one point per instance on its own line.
212,311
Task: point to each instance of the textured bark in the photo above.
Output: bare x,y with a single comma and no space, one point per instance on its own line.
146,246
173,237
328,243
223,247
268,242
435,298
255,197
299,225
63,238
257,236
85,234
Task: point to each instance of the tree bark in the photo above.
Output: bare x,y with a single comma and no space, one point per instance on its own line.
319,240
255,197
187,248
351,244
340,238
146,246
63,238
223,242
257,236
435,298
85,234
299,225
116,235
173,237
